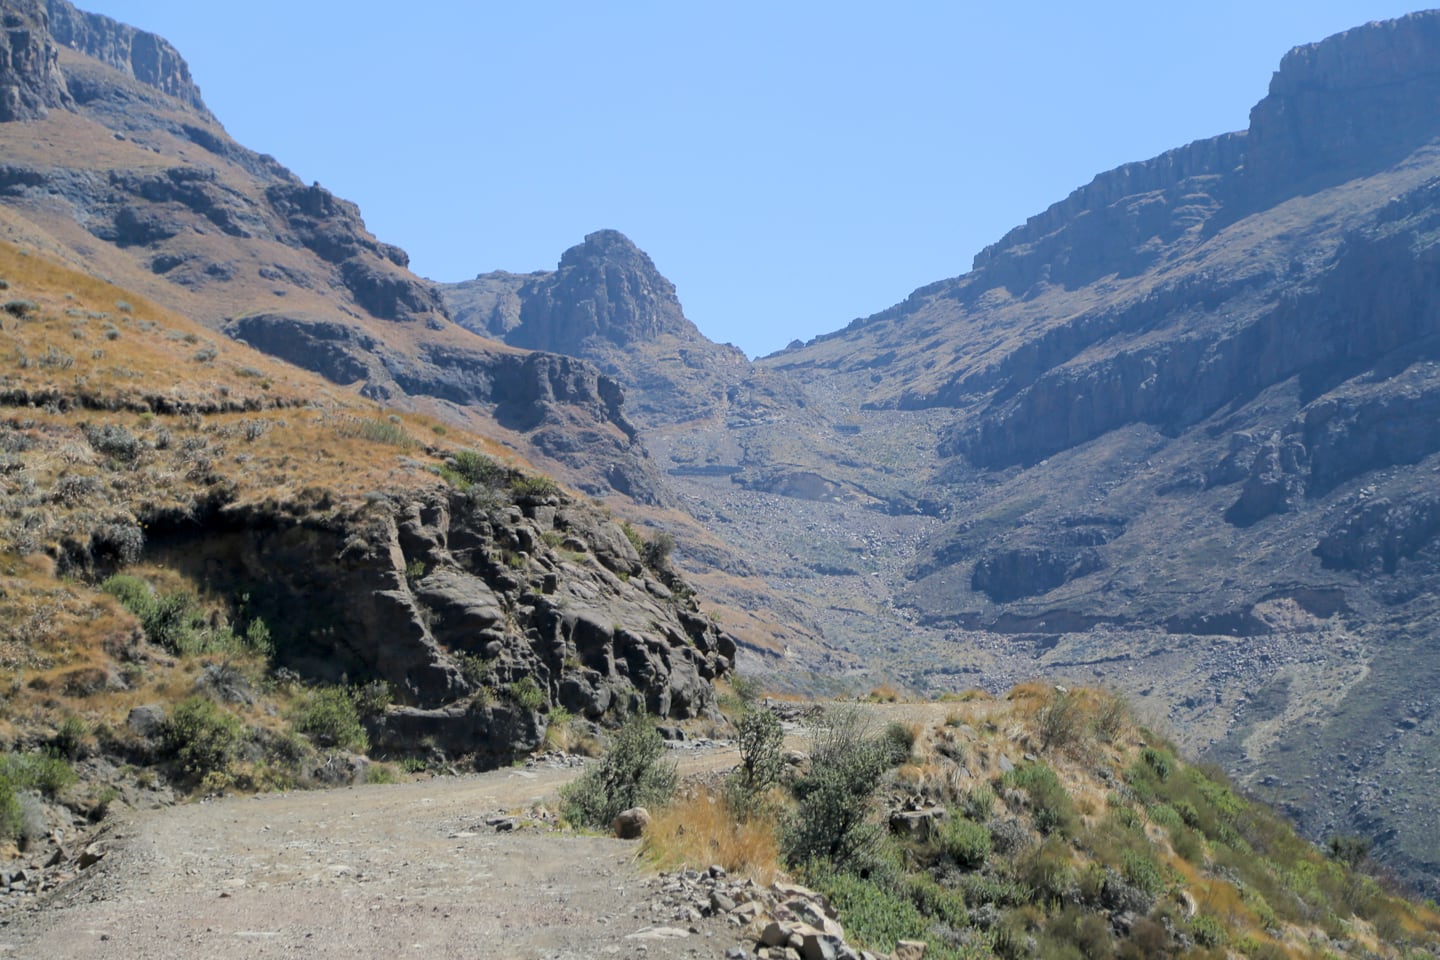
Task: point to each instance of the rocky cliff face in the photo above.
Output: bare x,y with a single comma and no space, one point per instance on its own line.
196,221
144,56
1178,435
607,303
605,287
30,77
454,600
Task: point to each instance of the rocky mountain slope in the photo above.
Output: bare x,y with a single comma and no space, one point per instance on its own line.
219,570
113,163
1175,434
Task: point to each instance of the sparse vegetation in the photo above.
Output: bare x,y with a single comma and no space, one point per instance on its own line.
203,738
331,718
632,773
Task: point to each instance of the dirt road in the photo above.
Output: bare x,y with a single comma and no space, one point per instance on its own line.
408,870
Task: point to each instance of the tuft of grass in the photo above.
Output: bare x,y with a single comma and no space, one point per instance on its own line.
1051,807
701,829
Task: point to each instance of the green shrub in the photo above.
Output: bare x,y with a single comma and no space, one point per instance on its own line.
12,815
1160,761
70,737
468,468
759,737
872,914
176,622
631,774
1207,931
527,695
937,903
965,841
1141,871
203,738
1164,815
978,803
330,718
1348,849
533,487
258,639
984,887
44,772
831,820
1051,808
1045,870
372,698
897,740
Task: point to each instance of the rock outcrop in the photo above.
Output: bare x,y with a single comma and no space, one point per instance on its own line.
480,614
605,287
30,78
607,303
137,53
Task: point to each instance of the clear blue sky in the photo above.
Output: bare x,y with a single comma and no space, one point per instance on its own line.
790,166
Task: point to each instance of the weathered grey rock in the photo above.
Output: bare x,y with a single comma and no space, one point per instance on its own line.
92,854
631,824
30,78
146,721
910,950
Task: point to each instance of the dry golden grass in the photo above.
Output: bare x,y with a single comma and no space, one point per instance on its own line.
96,357
698,830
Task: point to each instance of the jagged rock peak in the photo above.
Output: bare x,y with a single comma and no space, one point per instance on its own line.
605,287
30,77
140,54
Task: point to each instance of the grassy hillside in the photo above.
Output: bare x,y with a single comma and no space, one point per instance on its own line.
1047,823
125,671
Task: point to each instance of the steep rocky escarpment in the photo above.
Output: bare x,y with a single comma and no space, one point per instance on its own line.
1230,350
561,408
186,216
146,57
605,287
606,302
462,602
30,78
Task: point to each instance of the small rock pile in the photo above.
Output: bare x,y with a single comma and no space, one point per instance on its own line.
783,921
555,760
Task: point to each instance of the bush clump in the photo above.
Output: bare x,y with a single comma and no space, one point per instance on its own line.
831,822
759,737
176,621
331,718
527,695
631,774
965,842
1052,808
467,468
203,738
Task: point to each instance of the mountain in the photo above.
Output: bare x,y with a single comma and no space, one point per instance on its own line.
1175,434
113,163
1184,422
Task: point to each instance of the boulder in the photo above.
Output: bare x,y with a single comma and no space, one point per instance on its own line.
631,824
